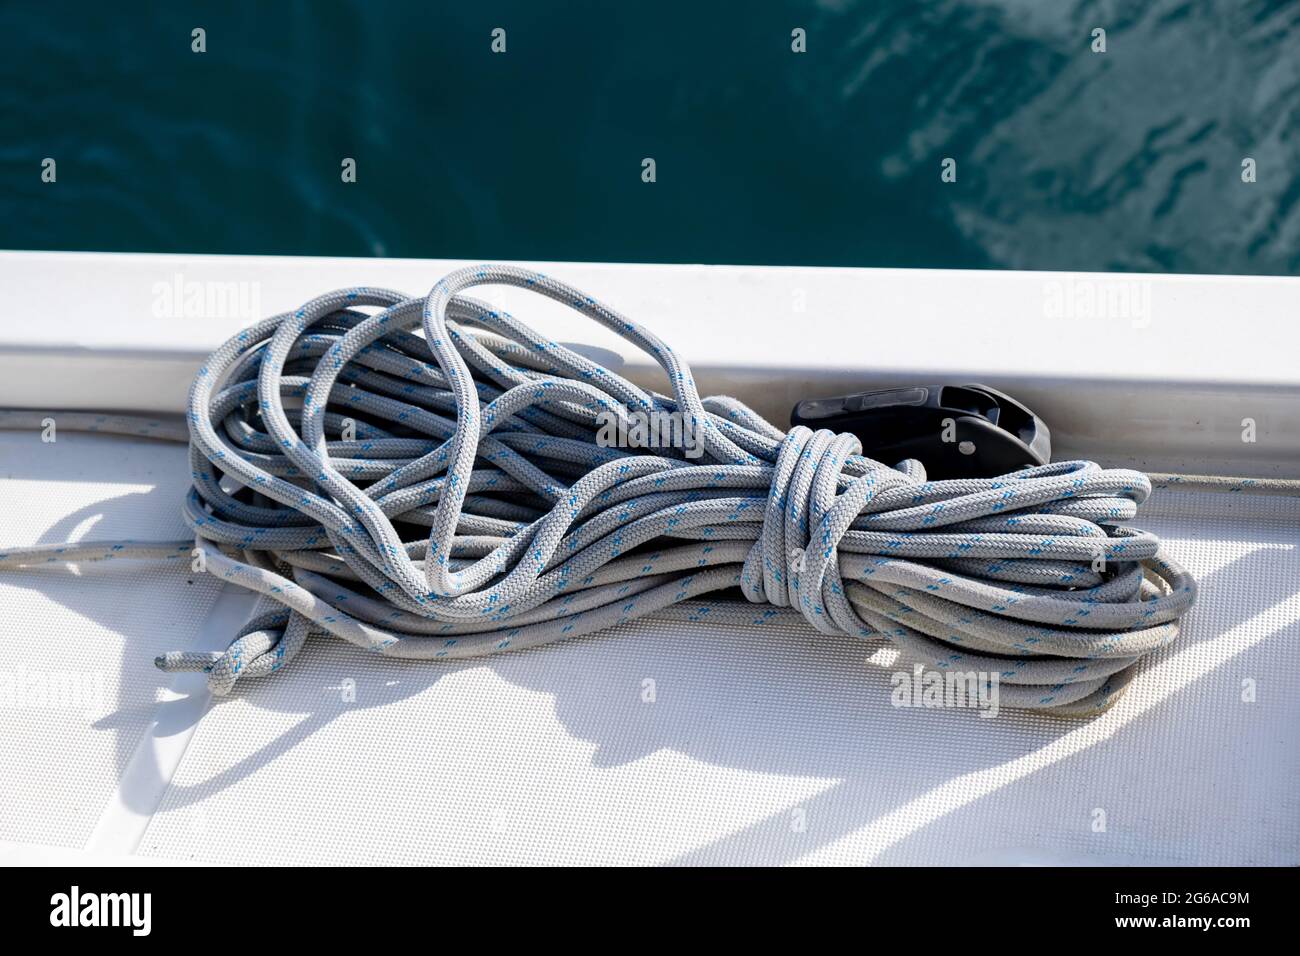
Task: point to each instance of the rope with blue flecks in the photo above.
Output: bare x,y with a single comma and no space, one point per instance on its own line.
445,496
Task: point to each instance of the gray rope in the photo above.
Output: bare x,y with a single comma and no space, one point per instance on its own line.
1282,487
486,434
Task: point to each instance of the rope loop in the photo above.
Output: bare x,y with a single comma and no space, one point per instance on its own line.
430,478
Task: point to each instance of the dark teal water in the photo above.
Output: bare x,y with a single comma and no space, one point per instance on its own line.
1066,159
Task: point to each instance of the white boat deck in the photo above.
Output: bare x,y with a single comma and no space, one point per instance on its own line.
759,746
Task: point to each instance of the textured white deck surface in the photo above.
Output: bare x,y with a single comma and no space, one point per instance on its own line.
760,746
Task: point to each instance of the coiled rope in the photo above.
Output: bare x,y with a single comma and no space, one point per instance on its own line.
323,442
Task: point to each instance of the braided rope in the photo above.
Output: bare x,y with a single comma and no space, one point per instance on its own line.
486,434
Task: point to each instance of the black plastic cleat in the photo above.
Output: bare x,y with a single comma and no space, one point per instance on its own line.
956,431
